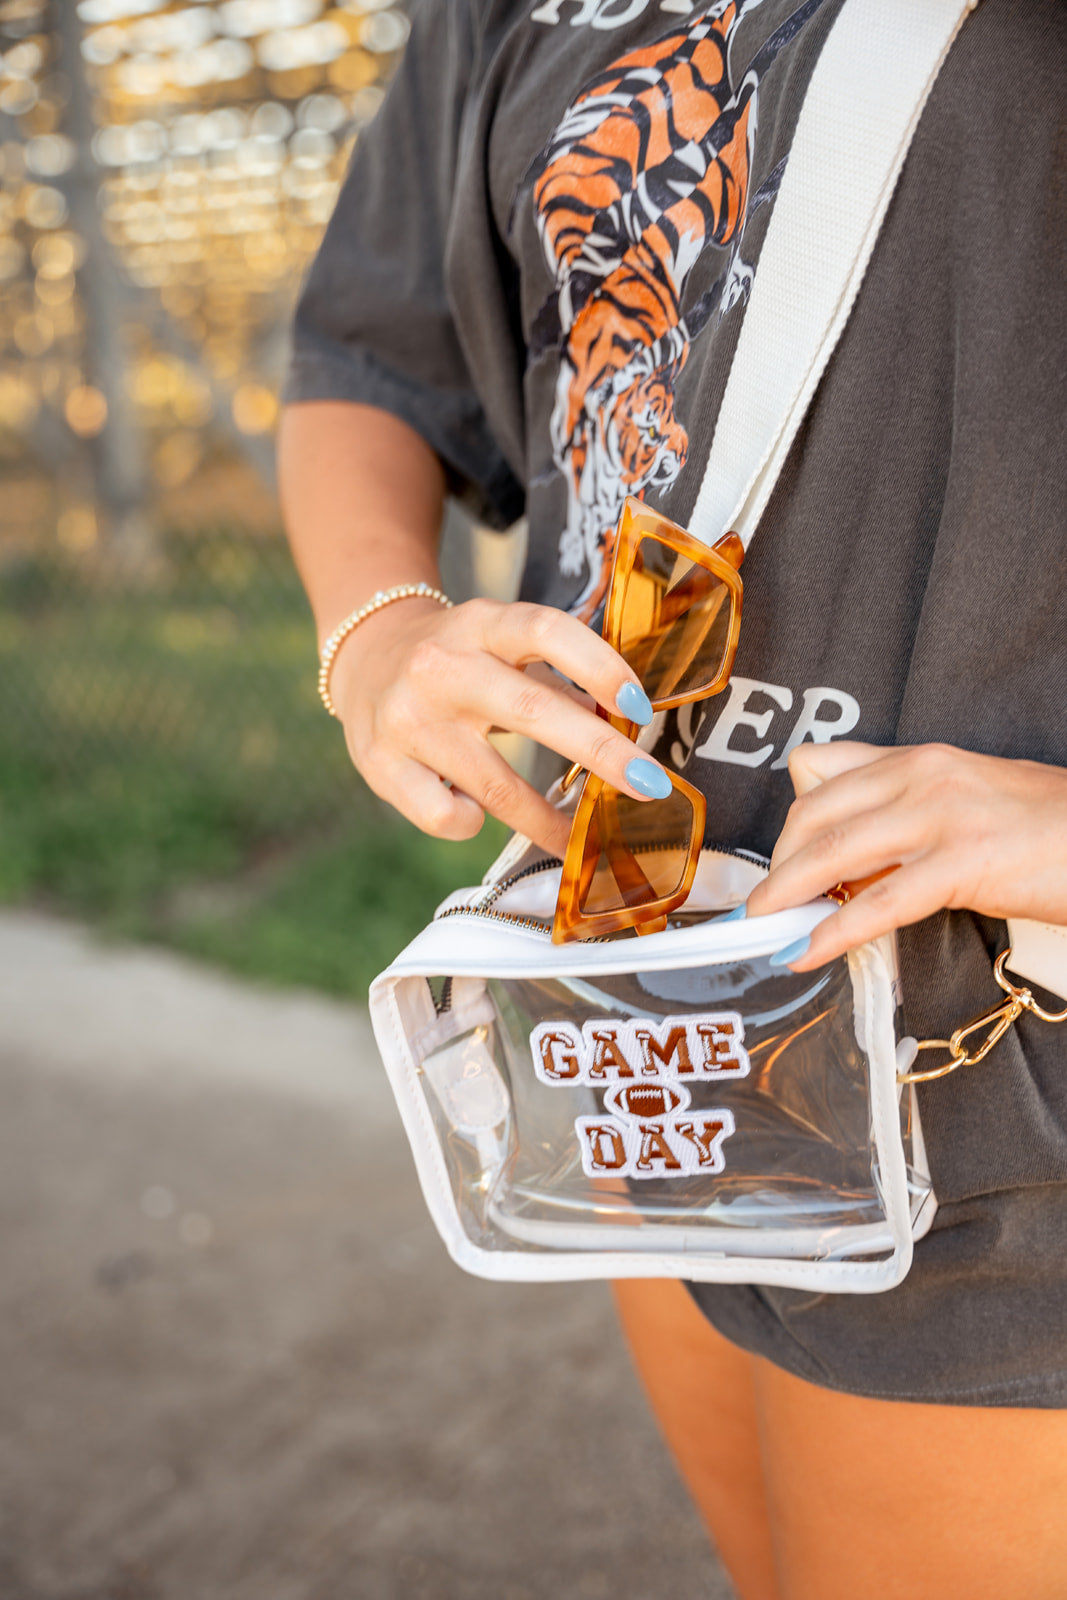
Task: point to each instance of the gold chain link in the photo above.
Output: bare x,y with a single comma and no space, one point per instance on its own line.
998,1019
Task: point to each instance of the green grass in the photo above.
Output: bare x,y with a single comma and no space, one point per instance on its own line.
333,918
167,773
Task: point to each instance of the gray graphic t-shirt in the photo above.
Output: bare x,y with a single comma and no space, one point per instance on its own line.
541,261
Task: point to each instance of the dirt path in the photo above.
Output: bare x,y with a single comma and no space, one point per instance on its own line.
237,1364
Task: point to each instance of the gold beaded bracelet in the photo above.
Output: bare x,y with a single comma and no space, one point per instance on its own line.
384,597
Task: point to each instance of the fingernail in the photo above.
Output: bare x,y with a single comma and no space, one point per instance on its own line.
634,704
648,779
738,914
792,952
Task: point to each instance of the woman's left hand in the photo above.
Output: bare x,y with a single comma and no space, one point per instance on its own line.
962,831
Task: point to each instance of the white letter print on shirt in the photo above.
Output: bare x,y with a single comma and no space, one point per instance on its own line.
605,13
738,715
648,169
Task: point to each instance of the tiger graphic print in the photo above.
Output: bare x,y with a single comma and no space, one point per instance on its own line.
648,167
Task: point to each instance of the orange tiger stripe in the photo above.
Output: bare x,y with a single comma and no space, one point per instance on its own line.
627,193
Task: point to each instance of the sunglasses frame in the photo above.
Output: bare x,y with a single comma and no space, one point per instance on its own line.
723,559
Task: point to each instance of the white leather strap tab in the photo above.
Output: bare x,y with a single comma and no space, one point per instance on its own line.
1039,954
862,107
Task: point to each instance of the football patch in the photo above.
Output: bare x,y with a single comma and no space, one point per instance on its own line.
647,1099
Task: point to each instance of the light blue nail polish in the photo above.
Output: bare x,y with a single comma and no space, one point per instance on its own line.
738,914
634,704
792,952
648,779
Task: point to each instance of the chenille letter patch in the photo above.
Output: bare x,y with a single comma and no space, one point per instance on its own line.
646,1070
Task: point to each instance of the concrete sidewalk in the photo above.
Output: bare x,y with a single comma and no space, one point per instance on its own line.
237,1364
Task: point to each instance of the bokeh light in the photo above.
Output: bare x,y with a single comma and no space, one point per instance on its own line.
178,159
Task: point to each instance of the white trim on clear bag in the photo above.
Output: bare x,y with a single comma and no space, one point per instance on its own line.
401,1007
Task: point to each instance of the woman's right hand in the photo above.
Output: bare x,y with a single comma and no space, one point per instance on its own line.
419,688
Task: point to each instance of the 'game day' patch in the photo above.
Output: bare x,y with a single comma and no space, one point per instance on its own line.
646,1070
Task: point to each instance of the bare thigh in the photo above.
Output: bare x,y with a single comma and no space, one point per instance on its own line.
920,1502
813,1495
704,1399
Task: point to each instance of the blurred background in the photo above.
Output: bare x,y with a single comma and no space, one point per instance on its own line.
235,1359
165,768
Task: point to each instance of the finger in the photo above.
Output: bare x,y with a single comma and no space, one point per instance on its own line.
812,764
916,891
521,634
498,695
421,796
541,672
860,847
833,803
485,777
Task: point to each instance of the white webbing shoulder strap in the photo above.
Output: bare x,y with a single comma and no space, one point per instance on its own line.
862,107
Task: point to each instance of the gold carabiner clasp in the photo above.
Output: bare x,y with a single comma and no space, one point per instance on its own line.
1026,999
997,1018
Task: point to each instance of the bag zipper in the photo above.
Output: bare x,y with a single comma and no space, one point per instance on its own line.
502,916
484,908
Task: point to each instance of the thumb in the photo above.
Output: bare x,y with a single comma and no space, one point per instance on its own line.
812,764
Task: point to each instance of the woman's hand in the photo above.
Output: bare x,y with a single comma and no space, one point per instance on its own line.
962,831
420,688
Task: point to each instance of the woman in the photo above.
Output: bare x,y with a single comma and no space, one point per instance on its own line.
530,294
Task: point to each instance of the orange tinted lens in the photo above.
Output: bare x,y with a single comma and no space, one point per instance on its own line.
675,622
636,851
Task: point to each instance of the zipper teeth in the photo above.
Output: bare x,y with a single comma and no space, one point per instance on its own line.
445,1002
485,907
497,889
509,917
499,916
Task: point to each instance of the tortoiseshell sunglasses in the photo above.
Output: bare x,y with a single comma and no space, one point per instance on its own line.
673,612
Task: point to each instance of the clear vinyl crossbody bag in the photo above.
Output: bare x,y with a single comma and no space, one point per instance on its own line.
674,1105
668,1106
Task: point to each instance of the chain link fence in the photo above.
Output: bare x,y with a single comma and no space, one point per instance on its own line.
165,174
200,663
161,708
160,726
165,766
